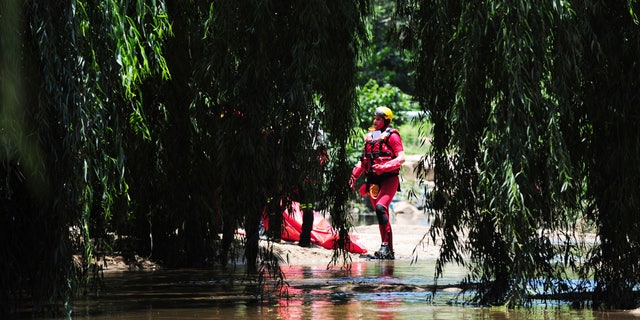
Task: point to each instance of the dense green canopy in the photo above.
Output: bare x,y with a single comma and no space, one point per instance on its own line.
149,127
535,113
152,127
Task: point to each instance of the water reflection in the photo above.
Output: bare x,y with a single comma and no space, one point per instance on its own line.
369,290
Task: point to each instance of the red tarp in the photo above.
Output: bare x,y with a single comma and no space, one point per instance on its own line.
322,233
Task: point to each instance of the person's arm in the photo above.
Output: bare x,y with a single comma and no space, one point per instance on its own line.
391,165
355,174
401,158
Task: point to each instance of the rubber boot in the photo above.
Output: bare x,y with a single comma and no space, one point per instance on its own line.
384,253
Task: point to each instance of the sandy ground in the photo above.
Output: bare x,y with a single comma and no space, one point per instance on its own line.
410,241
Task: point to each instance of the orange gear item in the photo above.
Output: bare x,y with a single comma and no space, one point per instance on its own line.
374,190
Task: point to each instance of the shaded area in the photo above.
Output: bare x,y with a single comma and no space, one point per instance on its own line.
389,289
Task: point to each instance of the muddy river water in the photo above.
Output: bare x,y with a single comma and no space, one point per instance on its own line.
370,290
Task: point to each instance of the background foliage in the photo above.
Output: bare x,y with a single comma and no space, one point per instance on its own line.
534,107
150,128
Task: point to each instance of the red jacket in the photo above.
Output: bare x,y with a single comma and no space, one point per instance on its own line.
381,147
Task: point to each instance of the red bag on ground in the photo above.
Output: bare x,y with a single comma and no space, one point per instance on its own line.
322,233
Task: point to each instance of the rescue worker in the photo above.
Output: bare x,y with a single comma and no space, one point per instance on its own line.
382,158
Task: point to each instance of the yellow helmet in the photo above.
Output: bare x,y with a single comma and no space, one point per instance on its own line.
384,113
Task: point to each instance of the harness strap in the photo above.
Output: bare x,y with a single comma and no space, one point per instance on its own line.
378,142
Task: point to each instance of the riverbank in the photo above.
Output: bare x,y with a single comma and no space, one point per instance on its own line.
410,242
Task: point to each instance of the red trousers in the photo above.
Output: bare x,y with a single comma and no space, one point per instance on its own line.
388,188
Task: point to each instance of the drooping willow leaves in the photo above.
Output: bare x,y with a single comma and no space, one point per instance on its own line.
152,127
277,70
77,97
529,137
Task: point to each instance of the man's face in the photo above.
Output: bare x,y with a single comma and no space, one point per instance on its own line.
378,122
